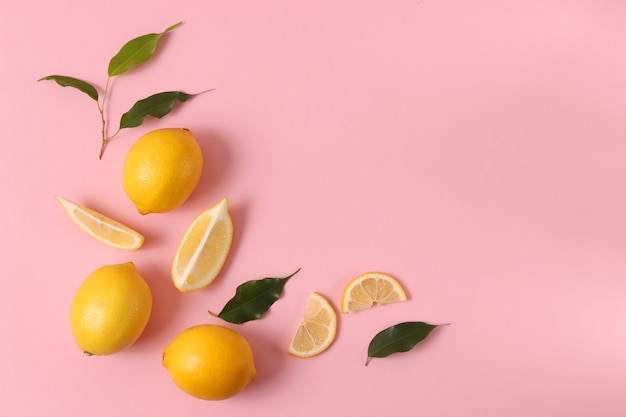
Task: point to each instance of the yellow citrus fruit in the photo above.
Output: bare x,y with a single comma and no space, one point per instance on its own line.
101,227
210,362
110,309
369,289
317,330
162,169
203,248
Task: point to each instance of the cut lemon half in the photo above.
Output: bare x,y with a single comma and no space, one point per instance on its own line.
203,248
101,227
369,289
317,330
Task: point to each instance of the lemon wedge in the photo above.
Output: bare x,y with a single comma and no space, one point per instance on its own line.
101,227
317,330
203,248
369,289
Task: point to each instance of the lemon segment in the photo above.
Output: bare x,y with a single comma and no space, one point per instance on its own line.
162,169
210,362
369,289
317,330
203,248
110,310
101,227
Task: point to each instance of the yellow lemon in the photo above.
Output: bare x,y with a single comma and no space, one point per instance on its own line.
210,362
162,169
110,309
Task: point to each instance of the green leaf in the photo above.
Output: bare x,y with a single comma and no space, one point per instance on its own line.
81,85
157,105
252,299
401,337
136,51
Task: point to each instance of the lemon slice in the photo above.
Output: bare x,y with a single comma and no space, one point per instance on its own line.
369,289
317,330
203,248
101,227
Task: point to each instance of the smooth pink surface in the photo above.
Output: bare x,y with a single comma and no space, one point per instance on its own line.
473,149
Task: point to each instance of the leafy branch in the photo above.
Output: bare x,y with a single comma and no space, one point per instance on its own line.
134,52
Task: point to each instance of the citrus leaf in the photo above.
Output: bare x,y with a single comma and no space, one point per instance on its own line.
81,85
136,51
401,337
252,299
157,105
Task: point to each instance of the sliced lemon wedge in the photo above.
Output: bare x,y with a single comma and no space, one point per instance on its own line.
203,248
369,289
317,330
101,227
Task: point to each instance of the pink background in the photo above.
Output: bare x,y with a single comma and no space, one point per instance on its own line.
473,149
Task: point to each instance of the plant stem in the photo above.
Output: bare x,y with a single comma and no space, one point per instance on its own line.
105,139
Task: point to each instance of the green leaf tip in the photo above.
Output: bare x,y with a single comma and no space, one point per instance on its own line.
401,337
252,299
174,26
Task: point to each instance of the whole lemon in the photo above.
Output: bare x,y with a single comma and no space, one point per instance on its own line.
162,169
210,362
110,309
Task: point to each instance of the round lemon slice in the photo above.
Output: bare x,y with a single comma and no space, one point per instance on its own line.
369,289
203,248
317,330
101,227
